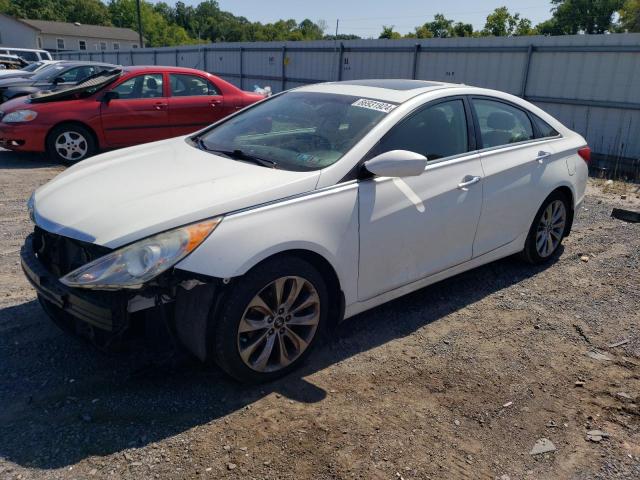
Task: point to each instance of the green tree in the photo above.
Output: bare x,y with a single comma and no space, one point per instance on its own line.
441,27
157,31
462,30
389,33
575,16
630,16
501,23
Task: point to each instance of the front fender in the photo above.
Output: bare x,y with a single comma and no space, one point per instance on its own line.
324,222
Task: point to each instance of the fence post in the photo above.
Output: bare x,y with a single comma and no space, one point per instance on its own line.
416,52
340,57
241,68
283,74
525,72
155,56
204,59
177,57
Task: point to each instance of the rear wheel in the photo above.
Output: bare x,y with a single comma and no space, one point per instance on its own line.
70,143
548,229
271,320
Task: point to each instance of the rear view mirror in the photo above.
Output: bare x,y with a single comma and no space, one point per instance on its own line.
397,163
110,95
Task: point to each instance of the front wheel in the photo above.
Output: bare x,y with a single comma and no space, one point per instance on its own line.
271,320
70,143
548,229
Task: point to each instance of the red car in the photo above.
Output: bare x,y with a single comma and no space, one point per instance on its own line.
120,108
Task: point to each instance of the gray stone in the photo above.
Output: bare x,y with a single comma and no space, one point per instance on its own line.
542,445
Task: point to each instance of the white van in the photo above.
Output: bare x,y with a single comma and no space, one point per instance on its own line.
27,54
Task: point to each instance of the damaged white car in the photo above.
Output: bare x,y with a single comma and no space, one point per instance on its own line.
252,237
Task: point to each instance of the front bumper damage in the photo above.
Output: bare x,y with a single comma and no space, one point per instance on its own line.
176,302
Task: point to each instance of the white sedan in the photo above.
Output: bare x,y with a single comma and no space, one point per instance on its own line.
248,239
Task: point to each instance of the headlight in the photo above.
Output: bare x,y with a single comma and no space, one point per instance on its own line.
20,116
136,264
31,205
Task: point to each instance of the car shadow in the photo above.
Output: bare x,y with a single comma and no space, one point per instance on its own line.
23,160
64,401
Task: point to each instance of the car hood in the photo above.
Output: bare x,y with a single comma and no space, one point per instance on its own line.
122,196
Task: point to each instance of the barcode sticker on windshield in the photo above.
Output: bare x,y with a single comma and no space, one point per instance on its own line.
374,105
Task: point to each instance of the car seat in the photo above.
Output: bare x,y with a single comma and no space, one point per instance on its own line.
501,125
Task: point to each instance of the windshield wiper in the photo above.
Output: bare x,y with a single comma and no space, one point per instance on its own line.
240,155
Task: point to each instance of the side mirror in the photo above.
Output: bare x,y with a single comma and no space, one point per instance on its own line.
110,95
397,163
57,80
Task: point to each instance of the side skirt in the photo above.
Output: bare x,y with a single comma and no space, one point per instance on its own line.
509,249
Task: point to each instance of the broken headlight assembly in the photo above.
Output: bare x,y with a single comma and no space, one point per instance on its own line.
132,266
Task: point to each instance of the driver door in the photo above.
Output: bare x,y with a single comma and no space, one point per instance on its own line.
414,227
140,114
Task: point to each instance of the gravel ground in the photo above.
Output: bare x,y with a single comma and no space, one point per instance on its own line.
458,380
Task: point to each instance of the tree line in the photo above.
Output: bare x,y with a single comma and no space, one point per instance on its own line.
166,25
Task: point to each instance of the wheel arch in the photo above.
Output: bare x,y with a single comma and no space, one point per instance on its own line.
326,269
85,125
570,196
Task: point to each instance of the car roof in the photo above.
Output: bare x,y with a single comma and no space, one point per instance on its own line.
156,68
389,89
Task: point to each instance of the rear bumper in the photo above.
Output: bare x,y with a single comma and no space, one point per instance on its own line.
104,310
23,137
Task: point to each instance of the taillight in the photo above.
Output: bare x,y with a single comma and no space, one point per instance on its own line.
585,154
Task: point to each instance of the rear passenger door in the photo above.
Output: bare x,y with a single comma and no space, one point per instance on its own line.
195,102
514,159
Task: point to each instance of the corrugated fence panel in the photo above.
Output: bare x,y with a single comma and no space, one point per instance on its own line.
377,65
321,66
220,62
166,57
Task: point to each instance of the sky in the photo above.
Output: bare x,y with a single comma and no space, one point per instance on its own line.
366,17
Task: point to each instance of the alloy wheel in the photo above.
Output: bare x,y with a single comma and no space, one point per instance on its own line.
279,324
551,228
71,146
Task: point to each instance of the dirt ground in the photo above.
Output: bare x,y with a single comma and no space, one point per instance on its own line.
458,380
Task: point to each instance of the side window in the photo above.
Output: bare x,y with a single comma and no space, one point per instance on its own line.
501,124
191,86
544,129
437,131
142,86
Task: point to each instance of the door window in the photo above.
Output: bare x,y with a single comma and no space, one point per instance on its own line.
191,86
142,86
437,131
501,124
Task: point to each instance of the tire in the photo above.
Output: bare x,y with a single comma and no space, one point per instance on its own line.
242,354
70,143
551,221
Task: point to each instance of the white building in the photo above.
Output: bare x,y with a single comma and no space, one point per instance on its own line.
60,36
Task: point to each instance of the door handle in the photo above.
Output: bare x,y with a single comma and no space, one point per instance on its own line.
160,106
213,103
468,183
542,155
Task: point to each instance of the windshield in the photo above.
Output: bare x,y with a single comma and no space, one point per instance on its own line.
298,131
48,73
32,67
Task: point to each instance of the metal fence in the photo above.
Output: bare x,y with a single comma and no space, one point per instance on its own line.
589,82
